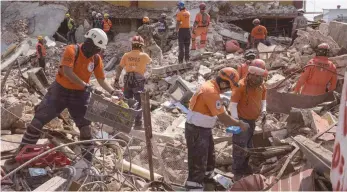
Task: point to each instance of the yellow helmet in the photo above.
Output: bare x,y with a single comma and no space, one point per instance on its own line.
106,15
145,20
67,15
39,38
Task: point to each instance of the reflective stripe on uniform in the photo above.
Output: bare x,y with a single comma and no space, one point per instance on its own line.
201,120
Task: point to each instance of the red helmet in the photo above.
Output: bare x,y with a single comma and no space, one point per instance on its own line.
257,67
202,6
323,46
138,40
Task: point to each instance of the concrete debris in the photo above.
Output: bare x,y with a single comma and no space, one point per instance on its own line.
204,71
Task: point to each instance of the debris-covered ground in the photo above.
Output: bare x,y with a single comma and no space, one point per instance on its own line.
295,142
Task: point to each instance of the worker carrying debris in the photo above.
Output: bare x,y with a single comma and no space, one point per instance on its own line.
200,27
135,63
72,90
163,31
72,29
258,34
248,102
205,108
300,22
146,32
41,53
107,25
319,75
183,30
249,55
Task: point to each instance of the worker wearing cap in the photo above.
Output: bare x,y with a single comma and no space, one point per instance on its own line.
205,108
107,25
71,89
300,22
200,27
163,31
183,30
134,63
248,103
146,32
319,75
249,55
258,34
41,53
72,29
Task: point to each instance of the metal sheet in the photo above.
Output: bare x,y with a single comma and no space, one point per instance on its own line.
283,102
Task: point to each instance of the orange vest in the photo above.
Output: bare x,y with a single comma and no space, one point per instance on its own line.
43,50
107,25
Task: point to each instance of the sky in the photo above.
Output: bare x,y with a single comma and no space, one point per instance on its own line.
318,5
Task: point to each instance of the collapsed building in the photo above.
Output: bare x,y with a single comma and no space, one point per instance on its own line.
294,144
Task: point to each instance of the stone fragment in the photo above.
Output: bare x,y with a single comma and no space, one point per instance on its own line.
204,71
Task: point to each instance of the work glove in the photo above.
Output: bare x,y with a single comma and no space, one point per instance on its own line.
244,126
88,88
117,93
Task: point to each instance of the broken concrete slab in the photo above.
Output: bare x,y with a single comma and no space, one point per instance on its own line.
182,90
204,71
170,68
243,37
337,30
11,114
275,80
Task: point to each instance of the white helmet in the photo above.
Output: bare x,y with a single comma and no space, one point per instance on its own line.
93,13
99,15
98,36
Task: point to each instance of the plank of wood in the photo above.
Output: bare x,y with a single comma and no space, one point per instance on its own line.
54,184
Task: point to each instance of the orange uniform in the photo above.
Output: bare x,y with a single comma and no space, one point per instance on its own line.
83,68
242,70
107,25
259,32
315,80
207,100
183,17
202,21
249,100
43,50
135,61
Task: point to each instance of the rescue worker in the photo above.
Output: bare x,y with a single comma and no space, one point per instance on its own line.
163,31
134,63
97,23
248,103
319,76
300,22
200,27
205,108
107,25
183,30
72,29
258,34
93,18
242,69
72,90
41,53
146,32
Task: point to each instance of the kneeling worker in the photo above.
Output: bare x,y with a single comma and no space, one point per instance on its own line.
205,108
135,63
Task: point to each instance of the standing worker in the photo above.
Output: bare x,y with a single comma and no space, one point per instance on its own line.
258,34
71,89
163,31
319,76
135,63
72,29
300,22
242,69
248,102
146,32
183,30
205,108
41,53
200,27
97,23
107,25
93,18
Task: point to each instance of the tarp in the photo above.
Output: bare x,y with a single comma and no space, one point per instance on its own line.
338,174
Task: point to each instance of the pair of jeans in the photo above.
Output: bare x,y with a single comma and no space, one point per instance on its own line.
184,37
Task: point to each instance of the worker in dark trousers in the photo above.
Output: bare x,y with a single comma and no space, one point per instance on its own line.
134,63
41,53
71,90
183,30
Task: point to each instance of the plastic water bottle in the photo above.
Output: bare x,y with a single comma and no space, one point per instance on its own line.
233,130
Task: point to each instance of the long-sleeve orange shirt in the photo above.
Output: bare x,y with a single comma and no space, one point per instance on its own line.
316,80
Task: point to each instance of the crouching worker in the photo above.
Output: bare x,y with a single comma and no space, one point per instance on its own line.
248,103
205,108
135,63
72,90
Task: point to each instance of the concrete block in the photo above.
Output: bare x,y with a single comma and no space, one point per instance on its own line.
337,31
243,37
318,124
204,71
170,68
275,80
182,90
11,114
